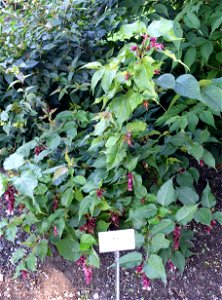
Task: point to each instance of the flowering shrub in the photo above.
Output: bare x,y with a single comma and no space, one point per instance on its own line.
107,144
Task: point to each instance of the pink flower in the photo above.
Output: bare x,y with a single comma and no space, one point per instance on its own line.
146,282
134,48
157,72
55,204
176,237
88,270
171,265
155,45
213,223
55,231
127,76
159,46
38,150
146,104
128,138
201,163
153,40
99,193
130,182
24,274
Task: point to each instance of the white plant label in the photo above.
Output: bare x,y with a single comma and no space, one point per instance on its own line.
117,240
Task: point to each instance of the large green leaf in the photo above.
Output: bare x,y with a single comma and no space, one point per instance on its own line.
154,268
207,199
25,183
69,249
165,226
166,81
203,215
187,195
178,260
166,193
163,27
14,161
212,97
159,242
185,214
187,86
131,260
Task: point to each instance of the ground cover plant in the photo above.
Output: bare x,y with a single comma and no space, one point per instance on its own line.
104,105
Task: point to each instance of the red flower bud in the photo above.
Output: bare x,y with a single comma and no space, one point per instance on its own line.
130,182
134,48
55,231
24,274
201,163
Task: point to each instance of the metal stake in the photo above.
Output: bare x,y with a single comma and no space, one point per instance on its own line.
117,275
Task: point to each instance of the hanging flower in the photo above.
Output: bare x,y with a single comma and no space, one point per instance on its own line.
99,193
128,138
114,218
157,72
38,150
146,282
130,182
88,270
176,237
55,231
10,199
24,274
134,47
89,226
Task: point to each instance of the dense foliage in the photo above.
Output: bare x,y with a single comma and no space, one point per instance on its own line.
104,104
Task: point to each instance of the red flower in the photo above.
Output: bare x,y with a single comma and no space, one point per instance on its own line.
127,76
176,237
38,150
114,219
155,45
128,138
139,268
89,226
10,198
146,104
171,265
134,48
130,182
99,193
201,163
55,204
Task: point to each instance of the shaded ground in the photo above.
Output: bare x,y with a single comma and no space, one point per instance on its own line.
59,279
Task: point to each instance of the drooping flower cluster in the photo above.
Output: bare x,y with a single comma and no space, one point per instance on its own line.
87,270
55,204
10,198
55,231
38,150
155,45
130,182
209,228
99,193
89,226
171,265
176,237
24,274
128,138
114,218
145,280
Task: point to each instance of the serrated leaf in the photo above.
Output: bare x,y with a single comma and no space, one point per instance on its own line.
185,214
154,268
166,193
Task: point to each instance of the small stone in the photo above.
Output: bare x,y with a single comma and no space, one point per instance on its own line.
1,277
95,296
71,295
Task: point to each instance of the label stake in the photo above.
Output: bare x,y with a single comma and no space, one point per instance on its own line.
117,275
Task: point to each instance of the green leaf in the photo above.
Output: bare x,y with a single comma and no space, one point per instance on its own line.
207,117
79,180
206,50
88,203
107,79
212,97
3,183
92,65
13,162
10,233
159,242
190,56
18,255
69,249
187,195
203,216
129,30
208,159
185,214
102,226
166,81
218,216
93,259
96,78
131,260
115,152
154,268
136,126
143,72
178,260
166,193
31,262
165,226
140,215
26,183
191,20
41,249
207,198
86,241
188,86
163,27
67,197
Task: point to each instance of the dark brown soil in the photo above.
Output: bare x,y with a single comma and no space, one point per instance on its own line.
59,279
